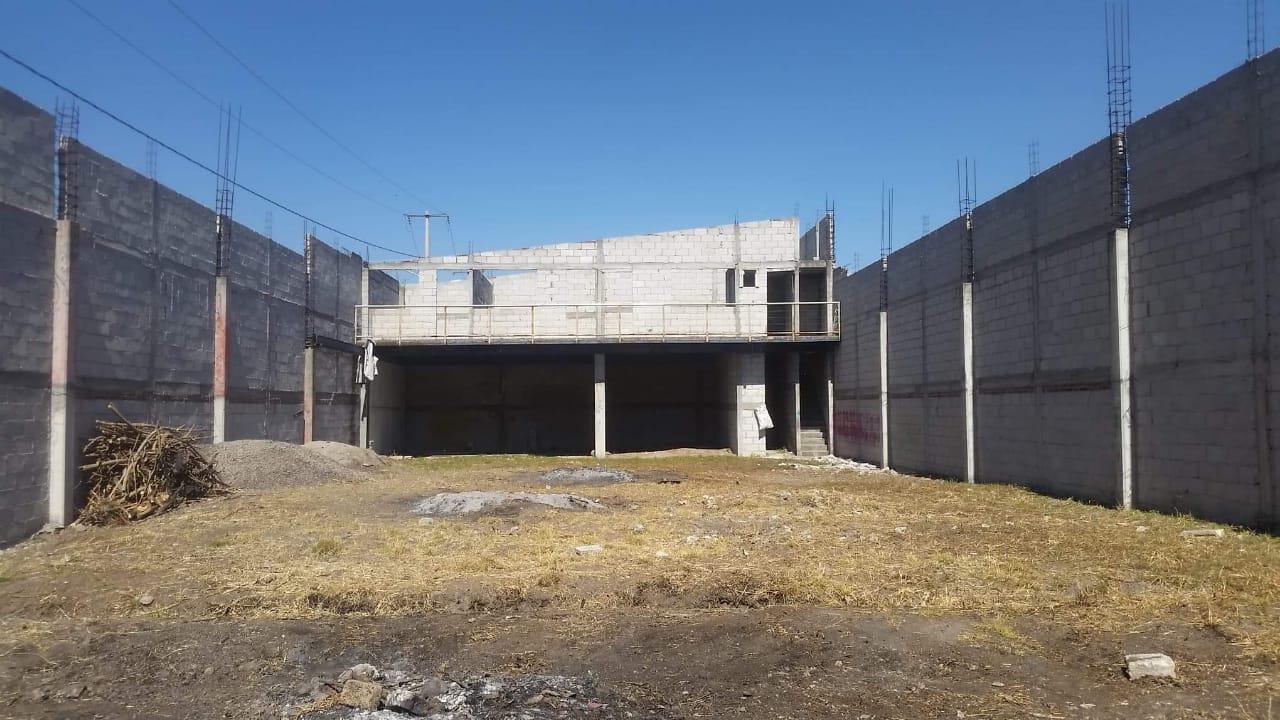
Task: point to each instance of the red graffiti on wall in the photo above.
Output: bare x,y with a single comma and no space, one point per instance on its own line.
857,427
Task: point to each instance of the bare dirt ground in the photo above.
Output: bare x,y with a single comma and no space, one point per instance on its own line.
721,587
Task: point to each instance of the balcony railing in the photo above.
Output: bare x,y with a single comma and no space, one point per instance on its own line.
597,322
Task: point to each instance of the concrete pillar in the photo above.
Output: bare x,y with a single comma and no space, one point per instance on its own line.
220,359
970,444
599,406
308,393
1121,370
62,465
749,395
831,402
884,389
362,408
793,412
795,301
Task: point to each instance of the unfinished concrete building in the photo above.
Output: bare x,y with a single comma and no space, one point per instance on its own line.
1031,342
714,337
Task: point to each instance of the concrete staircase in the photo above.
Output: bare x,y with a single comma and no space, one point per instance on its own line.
813,442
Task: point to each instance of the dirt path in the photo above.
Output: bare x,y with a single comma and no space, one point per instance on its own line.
747,589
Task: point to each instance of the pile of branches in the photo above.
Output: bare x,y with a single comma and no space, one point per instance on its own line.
136,470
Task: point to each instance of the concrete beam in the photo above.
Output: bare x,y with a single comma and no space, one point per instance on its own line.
500,263
600,448
62,465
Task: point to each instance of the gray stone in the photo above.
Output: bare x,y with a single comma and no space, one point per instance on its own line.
402,700
1145,665
361,694
363,671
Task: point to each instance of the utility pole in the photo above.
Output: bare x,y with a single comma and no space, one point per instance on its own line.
426,216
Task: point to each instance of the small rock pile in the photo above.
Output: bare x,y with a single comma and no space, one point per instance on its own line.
472,502
364,692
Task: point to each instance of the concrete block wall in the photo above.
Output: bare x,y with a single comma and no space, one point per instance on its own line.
265,329
335,291
141,311
1202,321
142,300
26,293
857,365
26,155
1204,316
926,414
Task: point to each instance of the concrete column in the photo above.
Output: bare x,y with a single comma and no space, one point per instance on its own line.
831,402
884,389
362,408
795,301
599,406
749,395
308,393
793,377
830,310
1121,369
61,393
220,359
970,444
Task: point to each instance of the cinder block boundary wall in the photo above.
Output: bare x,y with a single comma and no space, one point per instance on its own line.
1190,289
120,305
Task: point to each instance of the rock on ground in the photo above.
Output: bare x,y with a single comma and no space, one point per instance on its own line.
478,501
1144,665
585,476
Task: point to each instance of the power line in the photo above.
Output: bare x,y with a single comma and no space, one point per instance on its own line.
188,158
204,96
292,106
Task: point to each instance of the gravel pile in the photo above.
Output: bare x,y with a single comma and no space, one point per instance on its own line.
265,464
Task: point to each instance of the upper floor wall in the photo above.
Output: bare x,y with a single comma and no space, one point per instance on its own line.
737,282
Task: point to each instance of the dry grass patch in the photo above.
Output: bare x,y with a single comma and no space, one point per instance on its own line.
735,533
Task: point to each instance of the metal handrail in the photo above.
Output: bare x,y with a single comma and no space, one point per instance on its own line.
755,325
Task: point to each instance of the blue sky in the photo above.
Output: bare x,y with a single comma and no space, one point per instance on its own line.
537,122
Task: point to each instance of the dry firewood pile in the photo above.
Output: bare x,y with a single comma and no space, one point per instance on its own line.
136,470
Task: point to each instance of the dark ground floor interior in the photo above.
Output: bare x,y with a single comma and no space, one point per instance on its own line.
482,401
